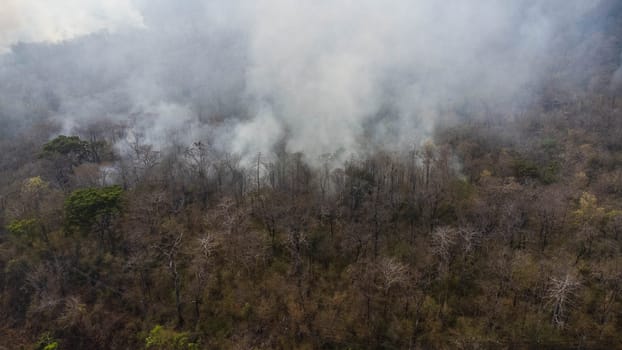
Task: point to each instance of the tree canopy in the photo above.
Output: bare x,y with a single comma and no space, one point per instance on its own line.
70,146
84,207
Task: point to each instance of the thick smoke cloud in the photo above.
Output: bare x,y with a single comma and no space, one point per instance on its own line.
317,75
616,81
35,20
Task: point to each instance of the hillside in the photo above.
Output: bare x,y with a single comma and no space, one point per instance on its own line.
494,224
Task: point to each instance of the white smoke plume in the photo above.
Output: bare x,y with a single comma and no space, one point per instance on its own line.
58,20
319,75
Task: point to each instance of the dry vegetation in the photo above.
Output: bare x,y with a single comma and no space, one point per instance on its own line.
478,240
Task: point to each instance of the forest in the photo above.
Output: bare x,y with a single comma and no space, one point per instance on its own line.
500,228
475,240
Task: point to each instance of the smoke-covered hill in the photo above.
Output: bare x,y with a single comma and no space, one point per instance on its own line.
332,174
320,77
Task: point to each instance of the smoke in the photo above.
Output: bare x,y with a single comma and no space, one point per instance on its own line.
54,21
319,76
616,80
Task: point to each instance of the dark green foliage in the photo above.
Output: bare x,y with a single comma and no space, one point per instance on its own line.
525,169
69,146
76,150
65,145
85,207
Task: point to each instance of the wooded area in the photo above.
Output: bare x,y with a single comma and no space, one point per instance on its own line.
137,211
500,233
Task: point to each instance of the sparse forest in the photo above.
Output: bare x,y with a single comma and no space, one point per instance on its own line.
478,239
502,231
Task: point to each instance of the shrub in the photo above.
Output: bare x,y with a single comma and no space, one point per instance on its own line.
168,339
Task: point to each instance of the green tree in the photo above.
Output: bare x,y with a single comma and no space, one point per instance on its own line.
72,147
167,339
93,209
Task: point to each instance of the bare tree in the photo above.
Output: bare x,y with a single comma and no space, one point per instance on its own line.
443,241
200,162
560,294
392,273
470,238
142,158
170,251
204,255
